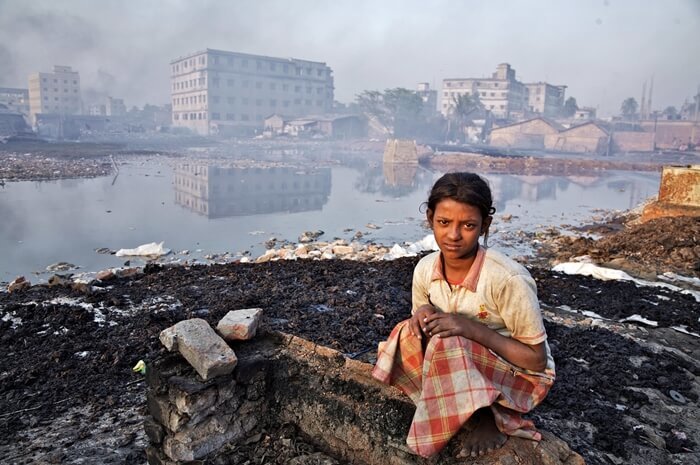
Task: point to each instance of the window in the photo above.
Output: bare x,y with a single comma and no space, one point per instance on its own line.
230,82
297,101
258,101
215,116
308,89
215,82
307,102
258,85
297,88
286,68
245,100
231,100
258,118
319,72
285,103
273,103
230,116
244,117
244,63
493,94
285,87
245,83
273,86
43,79
273,67
215,99
495,84
184,116
230,61
319,90
449,84
319,103
216,60
258,64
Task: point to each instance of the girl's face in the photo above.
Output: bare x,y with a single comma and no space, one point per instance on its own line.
457,227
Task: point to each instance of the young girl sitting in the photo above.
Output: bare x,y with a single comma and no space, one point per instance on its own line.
475,344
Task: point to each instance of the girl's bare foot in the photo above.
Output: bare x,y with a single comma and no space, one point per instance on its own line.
484,438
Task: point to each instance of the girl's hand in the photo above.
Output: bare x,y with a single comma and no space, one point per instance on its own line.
416,324
448,324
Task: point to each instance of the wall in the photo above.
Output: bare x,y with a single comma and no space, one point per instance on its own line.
282,379
629,141
673,134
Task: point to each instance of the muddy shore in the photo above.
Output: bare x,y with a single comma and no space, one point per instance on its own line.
627,391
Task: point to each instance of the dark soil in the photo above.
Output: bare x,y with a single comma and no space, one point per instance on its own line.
60,357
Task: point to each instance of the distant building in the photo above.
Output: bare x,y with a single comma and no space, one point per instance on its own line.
585,114
502,94
215,91
330,126
545,99
115,107
429,98
529,134
15,99
55,93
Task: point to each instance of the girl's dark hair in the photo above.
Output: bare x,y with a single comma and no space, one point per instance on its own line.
467,188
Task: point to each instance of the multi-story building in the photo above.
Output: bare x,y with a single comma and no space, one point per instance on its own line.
545,99
55,93
15,99
502,94
215,91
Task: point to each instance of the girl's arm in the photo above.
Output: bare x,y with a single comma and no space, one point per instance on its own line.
530,357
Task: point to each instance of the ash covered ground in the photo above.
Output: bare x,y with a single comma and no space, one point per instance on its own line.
626,392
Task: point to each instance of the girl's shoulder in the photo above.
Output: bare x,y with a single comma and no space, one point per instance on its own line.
427,263
499,262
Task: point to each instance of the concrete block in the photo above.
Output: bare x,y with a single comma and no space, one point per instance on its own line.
208,354
240,325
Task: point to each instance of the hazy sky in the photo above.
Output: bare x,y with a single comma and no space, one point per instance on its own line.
603,50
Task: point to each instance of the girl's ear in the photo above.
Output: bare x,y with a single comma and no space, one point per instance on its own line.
486,224
429,214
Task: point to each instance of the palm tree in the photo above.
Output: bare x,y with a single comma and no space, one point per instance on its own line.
464,108
629,108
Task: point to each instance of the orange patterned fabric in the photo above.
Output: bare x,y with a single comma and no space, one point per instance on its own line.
453,378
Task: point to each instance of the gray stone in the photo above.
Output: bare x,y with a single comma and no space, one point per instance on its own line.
240,325
208,354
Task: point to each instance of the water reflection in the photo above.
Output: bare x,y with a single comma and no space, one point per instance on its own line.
222,191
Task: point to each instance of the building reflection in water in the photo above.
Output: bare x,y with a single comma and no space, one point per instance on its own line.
219,192
400,174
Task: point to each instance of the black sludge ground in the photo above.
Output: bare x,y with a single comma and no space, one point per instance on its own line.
609,383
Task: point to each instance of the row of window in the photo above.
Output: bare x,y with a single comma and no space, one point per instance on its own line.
214,116
482,94
271,66
55,89
65,99
65,81
477,83
215,83
202,98
490,107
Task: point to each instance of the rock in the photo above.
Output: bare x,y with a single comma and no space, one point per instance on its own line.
343,250
105,275
61,266
59,280
372,226
208,354
19,284
240,325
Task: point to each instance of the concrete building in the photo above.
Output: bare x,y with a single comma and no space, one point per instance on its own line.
215,91
55,93
502,94
545,99
429,98
585,114
14,99
588,137
528,134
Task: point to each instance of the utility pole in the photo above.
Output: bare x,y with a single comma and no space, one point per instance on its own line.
651,89
642,108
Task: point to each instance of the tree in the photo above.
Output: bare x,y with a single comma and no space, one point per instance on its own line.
670,112
464,108
570,108
399,110
629,108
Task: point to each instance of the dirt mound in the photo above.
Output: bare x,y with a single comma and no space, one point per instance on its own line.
644,249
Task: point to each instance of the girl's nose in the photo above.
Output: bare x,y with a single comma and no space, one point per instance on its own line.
454,233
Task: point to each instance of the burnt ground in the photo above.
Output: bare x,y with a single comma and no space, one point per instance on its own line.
626,392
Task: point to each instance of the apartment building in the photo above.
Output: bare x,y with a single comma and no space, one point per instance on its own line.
55,93
502,94
220,92
545,99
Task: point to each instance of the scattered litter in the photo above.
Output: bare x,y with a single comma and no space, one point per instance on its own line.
608,274
149,250
321,308
684,329
639,319
140,367
677,396
82,354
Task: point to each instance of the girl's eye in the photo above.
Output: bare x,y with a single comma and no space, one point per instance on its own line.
469,226
442,222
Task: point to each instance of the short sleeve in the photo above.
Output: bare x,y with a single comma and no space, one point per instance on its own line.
420,290
520,309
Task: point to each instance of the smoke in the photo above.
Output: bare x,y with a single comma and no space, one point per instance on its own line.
603,50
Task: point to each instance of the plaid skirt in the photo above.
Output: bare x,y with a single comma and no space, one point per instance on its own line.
451,380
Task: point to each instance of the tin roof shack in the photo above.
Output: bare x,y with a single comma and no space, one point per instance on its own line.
342,126
330,126
274,125
528,134
13,124
679,193
588,137
55,126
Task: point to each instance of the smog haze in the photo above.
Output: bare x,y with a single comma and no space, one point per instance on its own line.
603,50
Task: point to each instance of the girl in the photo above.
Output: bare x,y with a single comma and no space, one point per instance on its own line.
475,345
